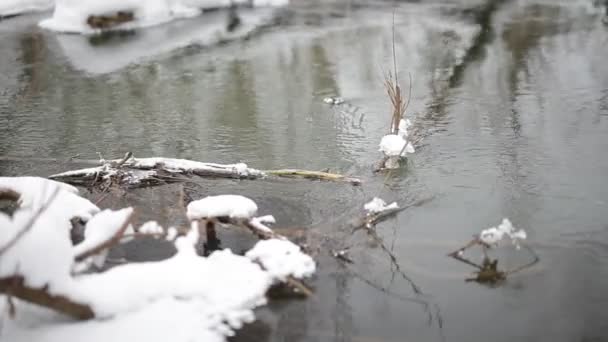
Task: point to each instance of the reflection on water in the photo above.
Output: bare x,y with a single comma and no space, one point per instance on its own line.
513,100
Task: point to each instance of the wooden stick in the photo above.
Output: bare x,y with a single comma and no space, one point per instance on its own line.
15,286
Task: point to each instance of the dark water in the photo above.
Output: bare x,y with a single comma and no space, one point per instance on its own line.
512,97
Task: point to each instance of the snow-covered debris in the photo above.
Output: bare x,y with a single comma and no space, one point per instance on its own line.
281,259
151,227
233,206
333,100
74,16
13,7
378,205
393,145
207,297
259,223
493,235
184,165
102,228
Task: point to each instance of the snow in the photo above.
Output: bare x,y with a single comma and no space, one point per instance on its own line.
151,227
333,100
378,205
43,254
102,227
233,206
71,15
171,233
282,258
183,298
184,165
392,145
404,125
493,235
35,192
13,7
259,223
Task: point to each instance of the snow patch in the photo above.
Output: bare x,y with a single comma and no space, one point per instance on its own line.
152,227
493,235
14,7
378,205
281,259
36,192
393,145
102,227
71,16
233,206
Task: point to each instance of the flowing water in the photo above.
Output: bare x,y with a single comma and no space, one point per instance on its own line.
511,97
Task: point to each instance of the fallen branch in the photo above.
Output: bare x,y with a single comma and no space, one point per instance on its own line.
133,172
106,244
15,286
316,175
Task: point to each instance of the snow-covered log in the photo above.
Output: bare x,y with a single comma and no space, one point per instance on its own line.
134,172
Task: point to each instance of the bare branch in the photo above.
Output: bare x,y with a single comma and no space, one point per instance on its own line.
113,240
15,286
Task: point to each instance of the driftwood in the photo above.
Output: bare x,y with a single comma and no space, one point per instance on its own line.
141,172
316,175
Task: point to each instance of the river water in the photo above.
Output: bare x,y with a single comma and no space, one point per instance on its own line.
510,96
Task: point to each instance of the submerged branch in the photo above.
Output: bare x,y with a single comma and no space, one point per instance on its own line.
316,175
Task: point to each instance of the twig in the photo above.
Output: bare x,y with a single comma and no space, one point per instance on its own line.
534,261
296,283
113,240
15,285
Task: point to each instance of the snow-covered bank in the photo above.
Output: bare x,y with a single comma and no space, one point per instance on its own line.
183,298
74,16
14,7
147,44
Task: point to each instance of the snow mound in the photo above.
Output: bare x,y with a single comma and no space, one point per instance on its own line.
281,259
102,227
43,255
378,205
35,192
71,16
14,7
393,145
152,227
233,206
493,235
